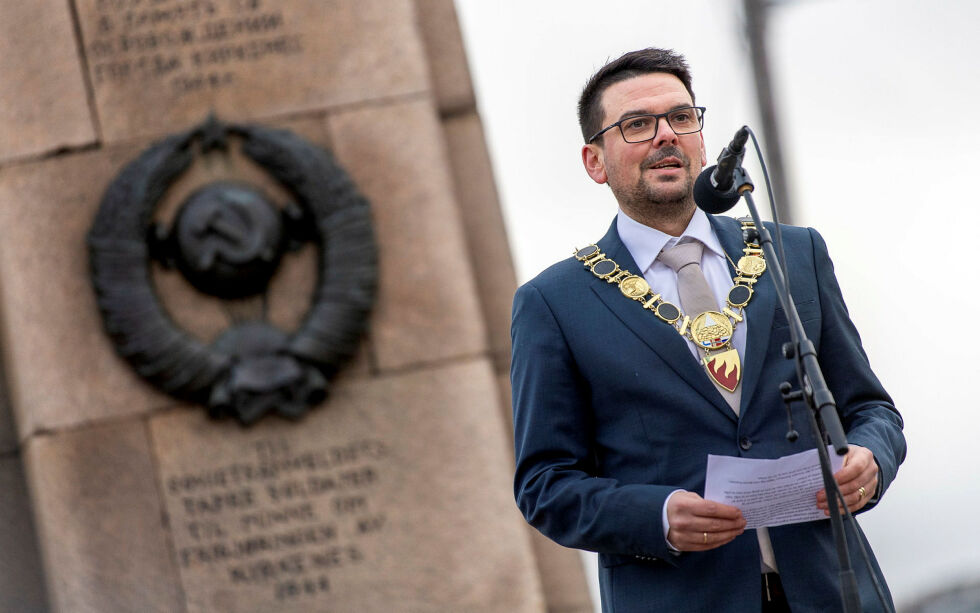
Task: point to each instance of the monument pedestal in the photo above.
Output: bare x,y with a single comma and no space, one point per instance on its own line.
395,493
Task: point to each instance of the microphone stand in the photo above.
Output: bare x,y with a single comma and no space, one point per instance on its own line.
824,419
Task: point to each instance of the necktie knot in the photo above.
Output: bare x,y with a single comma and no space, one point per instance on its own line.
682,254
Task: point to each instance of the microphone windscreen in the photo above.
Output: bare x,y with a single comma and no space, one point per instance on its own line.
709,199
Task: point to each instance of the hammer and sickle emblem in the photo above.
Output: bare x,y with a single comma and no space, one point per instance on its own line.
227,240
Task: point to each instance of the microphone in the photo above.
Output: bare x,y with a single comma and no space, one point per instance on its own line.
714,189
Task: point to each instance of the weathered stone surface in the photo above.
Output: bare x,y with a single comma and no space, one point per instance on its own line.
394,496
427,308
21,580
61,367
446,54
562,575
155,66
483,222
43,104
503,387
102,533
8,432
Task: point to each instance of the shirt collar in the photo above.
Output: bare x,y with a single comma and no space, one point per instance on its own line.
646,243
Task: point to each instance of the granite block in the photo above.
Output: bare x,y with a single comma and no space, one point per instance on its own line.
562,576
560,569
503,388
446,55
61,367
428,308
102,526
483,224
21,578
8,430
43,103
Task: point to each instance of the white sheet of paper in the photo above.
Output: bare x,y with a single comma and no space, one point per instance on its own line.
769,492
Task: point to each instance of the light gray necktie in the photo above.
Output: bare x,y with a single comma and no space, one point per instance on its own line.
696,298
696,295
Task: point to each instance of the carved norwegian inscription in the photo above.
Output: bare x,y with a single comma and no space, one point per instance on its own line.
278,521
184,45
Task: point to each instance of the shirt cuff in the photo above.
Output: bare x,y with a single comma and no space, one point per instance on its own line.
666,524
877,493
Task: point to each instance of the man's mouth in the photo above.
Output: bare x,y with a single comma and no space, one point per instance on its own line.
667,163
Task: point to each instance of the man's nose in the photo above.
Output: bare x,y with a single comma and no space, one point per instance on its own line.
665,134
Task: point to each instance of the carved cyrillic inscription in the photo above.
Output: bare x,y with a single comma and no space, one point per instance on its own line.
185,45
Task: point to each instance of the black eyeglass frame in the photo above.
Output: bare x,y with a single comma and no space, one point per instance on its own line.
656,130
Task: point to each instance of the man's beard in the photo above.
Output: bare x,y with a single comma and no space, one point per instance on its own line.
660,200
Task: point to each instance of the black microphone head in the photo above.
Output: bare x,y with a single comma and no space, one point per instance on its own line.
738,142
711,200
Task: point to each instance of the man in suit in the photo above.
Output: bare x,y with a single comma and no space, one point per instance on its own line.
614,411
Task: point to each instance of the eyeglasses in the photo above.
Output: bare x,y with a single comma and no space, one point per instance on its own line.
639,128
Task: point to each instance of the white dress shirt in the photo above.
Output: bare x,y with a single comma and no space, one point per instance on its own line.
645,244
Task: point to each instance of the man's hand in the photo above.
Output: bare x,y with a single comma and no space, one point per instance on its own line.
857,480
697,524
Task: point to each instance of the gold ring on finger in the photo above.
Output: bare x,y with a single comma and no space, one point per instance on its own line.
705,537
861,492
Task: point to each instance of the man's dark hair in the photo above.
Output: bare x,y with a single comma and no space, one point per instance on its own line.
632,64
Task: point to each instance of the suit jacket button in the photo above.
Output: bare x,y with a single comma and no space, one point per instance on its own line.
745,443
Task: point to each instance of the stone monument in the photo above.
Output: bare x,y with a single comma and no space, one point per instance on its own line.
394,494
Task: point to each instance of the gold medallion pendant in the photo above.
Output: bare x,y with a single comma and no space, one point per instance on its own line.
634,287
711,330
751,265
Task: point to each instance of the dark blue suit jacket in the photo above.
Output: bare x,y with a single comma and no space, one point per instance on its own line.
612,412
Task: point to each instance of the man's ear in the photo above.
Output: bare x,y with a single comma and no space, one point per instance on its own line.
594,162
704,156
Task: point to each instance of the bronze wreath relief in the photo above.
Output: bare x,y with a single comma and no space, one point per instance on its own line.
227,240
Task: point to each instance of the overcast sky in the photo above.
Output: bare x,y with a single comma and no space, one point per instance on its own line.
876,102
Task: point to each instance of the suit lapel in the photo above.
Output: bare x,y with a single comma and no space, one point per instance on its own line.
660,336
758,313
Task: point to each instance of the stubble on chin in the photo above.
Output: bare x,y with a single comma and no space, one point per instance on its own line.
657,204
